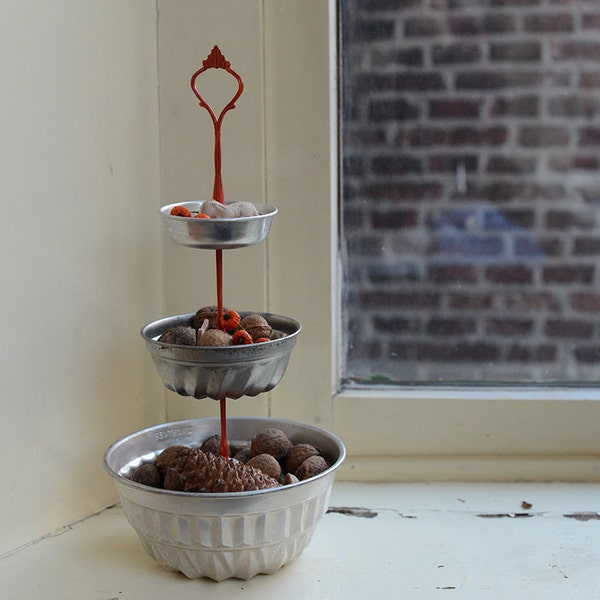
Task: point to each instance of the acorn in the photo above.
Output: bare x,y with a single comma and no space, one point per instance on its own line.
204,472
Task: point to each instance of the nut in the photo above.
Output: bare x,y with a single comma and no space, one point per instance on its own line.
312,466
169,456
207,312
257,326
289,479
271,441
214,337
181,335
212,444
148,474
298,454
243,454
267,464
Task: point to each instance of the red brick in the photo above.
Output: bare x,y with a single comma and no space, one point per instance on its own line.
520,274
567,274
550,22
568,328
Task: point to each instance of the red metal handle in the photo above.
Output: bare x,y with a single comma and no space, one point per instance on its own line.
216,60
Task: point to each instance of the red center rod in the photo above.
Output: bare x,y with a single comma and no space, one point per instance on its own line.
216,60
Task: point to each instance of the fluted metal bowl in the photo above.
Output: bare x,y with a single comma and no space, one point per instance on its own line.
218,234
221,371
221,536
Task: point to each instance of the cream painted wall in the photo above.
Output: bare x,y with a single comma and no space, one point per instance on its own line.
80,251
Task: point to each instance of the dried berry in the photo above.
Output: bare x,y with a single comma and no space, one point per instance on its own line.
241,337
148,474
267,464
201,216
271,441
297,455
230,321
257,326
203,472
180,211
181,335
214,337
311,467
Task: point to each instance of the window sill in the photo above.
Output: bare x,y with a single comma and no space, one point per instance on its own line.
378,540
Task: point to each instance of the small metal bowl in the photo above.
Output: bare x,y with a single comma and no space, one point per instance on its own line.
218,234
222,536
221,371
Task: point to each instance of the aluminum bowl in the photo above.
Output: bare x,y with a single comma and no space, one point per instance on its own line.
222,536
221,371
218,234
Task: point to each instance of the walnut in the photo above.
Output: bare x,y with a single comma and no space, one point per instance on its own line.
271,441
169,456
208,312
256,326
214,337
312,466
290,478
212,444
297,455
267,464
148,474
181,335
243,454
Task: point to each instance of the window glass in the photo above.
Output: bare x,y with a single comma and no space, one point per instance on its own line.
470,172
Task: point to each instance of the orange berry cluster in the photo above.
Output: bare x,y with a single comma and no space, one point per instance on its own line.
182,211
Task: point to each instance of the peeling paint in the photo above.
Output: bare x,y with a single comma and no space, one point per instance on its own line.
504,515
353,511
583,516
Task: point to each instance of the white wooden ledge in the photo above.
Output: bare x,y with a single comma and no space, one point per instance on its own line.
405,541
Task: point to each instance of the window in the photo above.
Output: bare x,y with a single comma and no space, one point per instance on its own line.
286,152
471,182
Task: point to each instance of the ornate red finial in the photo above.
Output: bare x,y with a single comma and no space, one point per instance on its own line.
216,60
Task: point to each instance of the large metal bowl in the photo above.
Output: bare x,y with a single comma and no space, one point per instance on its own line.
228,535
221,371
218,234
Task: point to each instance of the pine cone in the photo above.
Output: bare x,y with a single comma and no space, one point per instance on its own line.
199,471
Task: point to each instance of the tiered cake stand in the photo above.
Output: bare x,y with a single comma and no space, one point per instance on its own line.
234,534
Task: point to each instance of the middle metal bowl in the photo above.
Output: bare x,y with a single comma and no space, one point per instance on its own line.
221,371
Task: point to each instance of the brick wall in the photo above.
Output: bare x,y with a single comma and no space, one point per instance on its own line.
471,190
